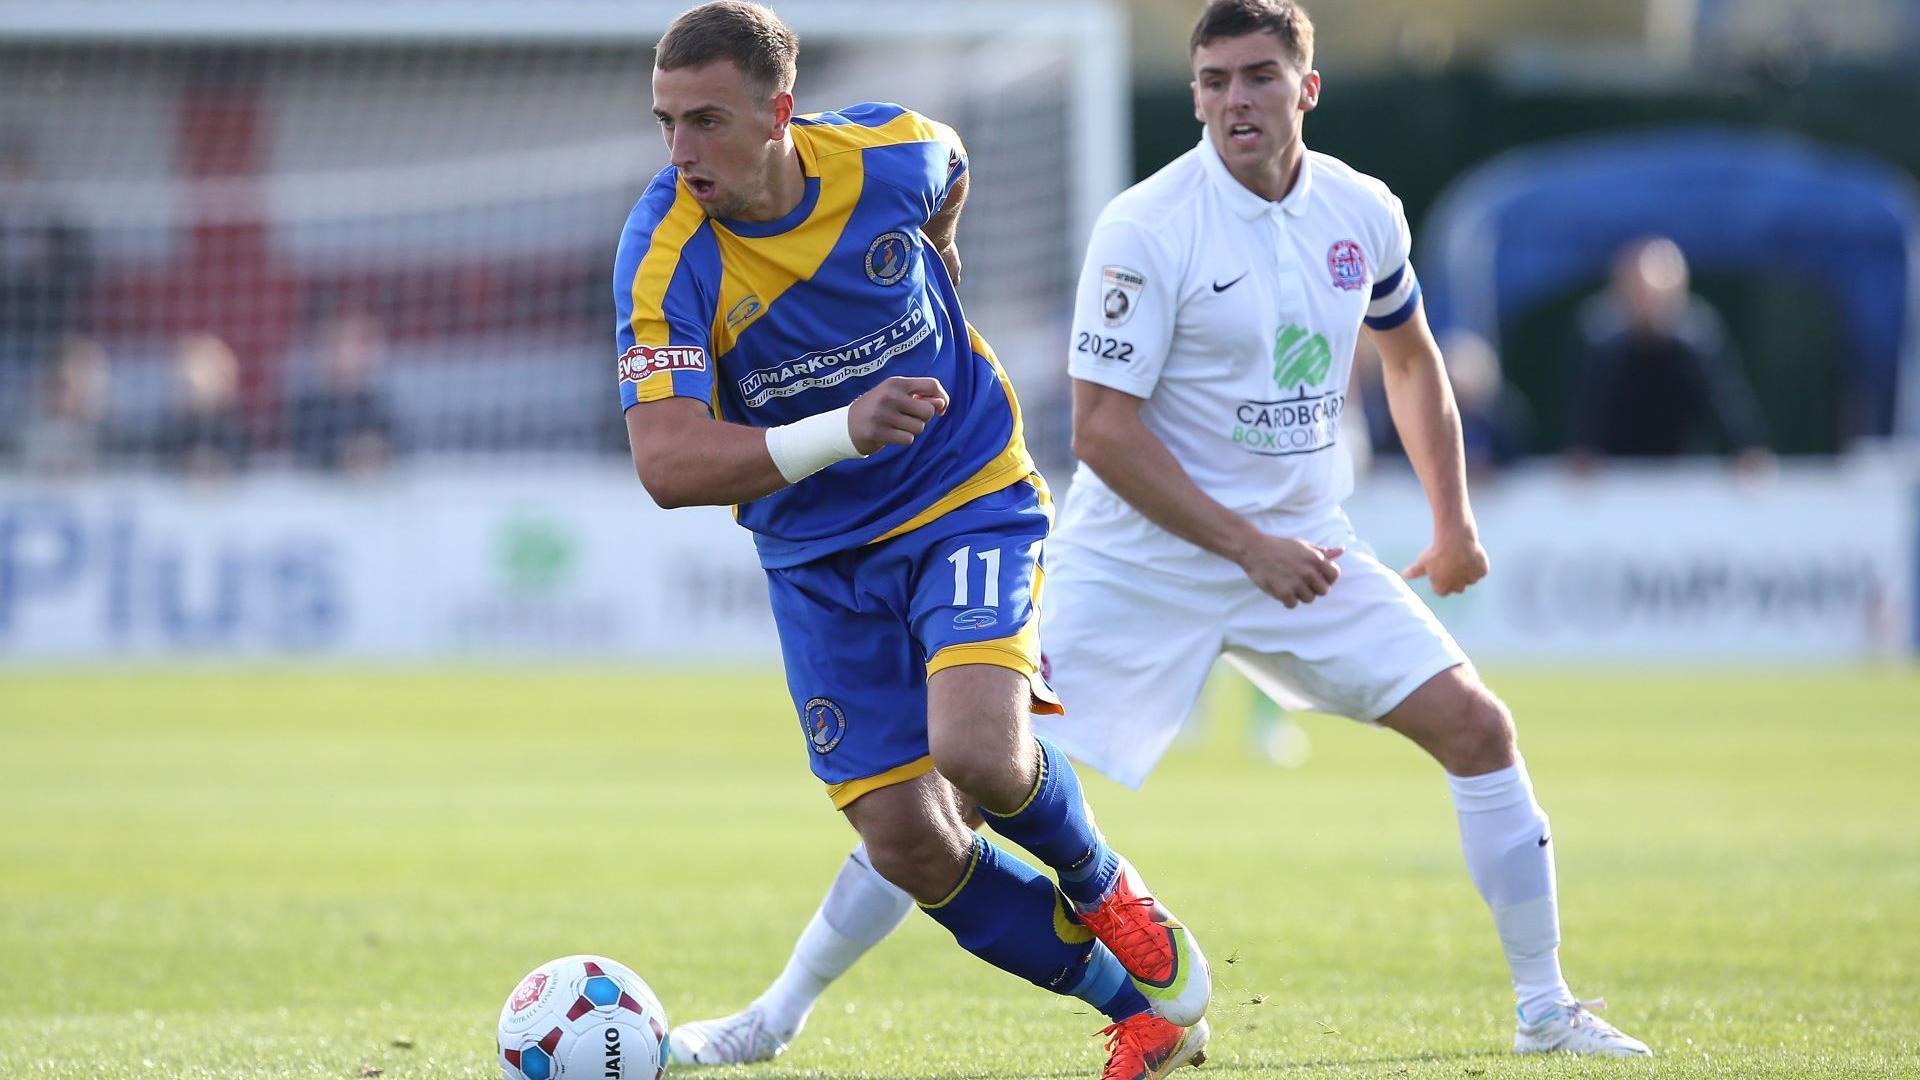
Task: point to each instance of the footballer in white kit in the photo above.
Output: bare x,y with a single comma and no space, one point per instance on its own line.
1231,320
1218,311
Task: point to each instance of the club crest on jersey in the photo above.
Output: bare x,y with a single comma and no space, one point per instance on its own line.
887,258
643,360
1120,289
1348,264
825,725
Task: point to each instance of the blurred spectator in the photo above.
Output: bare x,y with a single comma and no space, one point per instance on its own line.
1366,424
206,436
1657,376
44,272
344,424
63,438
1496,424
1356,415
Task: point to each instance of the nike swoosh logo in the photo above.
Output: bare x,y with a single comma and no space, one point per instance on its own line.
1544,839
1217,287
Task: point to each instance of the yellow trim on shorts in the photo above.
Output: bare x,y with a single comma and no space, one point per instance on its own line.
846,791
1006,652
998,654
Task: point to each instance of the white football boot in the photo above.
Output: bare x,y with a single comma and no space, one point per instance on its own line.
728,1040
1574,1029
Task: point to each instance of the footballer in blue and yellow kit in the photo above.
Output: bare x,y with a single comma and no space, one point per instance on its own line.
881,569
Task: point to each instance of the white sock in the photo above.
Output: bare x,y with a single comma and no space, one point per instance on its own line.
1505,837
860,909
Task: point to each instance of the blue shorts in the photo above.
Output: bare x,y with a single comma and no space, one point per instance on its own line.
861,630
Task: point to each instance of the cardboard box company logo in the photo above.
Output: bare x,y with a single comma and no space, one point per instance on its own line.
643,360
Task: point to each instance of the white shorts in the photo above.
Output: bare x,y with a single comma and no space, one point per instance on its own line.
1130,631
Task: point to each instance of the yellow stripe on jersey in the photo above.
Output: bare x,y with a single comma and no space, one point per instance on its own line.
657,267
1008,467
777,263
908,127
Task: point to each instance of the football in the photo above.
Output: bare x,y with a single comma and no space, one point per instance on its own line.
582,1016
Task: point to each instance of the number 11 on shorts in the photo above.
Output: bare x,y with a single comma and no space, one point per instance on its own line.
962,560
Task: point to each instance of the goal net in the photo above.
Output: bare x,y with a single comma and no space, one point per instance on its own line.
324,233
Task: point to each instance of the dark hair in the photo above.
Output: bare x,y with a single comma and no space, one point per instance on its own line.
748,34
1284,19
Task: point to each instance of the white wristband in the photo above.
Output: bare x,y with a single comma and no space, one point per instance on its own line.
804,447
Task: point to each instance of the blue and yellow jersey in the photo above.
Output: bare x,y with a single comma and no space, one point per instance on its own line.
770,322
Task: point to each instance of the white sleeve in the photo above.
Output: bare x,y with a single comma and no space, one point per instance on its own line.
1396,292
1124,310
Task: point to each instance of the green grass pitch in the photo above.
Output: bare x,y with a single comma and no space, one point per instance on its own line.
325,874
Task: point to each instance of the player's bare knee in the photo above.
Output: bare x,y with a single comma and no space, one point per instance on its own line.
913,834
925,863
987,771
979,735
1482,738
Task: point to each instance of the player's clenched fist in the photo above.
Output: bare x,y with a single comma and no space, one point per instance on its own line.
1450,564
895,412
1291,571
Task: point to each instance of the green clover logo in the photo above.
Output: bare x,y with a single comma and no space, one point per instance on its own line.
1300,358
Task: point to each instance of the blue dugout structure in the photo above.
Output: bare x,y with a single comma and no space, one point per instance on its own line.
1532,223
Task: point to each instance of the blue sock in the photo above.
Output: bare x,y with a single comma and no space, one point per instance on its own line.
1055,824
1008,914
1105,985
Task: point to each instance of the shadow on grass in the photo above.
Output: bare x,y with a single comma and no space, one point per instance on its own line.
1213,1067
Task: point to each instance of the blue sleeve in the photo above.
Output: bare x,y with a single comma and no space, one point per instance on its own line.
663,308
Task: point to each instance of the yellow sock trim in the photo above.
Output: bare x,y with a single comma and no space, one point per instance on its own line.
1039,778
973,860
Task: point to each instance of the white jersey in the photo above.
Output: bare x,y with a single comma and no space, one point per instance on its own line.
1236,319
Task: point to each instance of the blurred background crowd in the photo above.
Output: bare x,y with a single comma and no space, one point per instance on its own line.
1647,229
